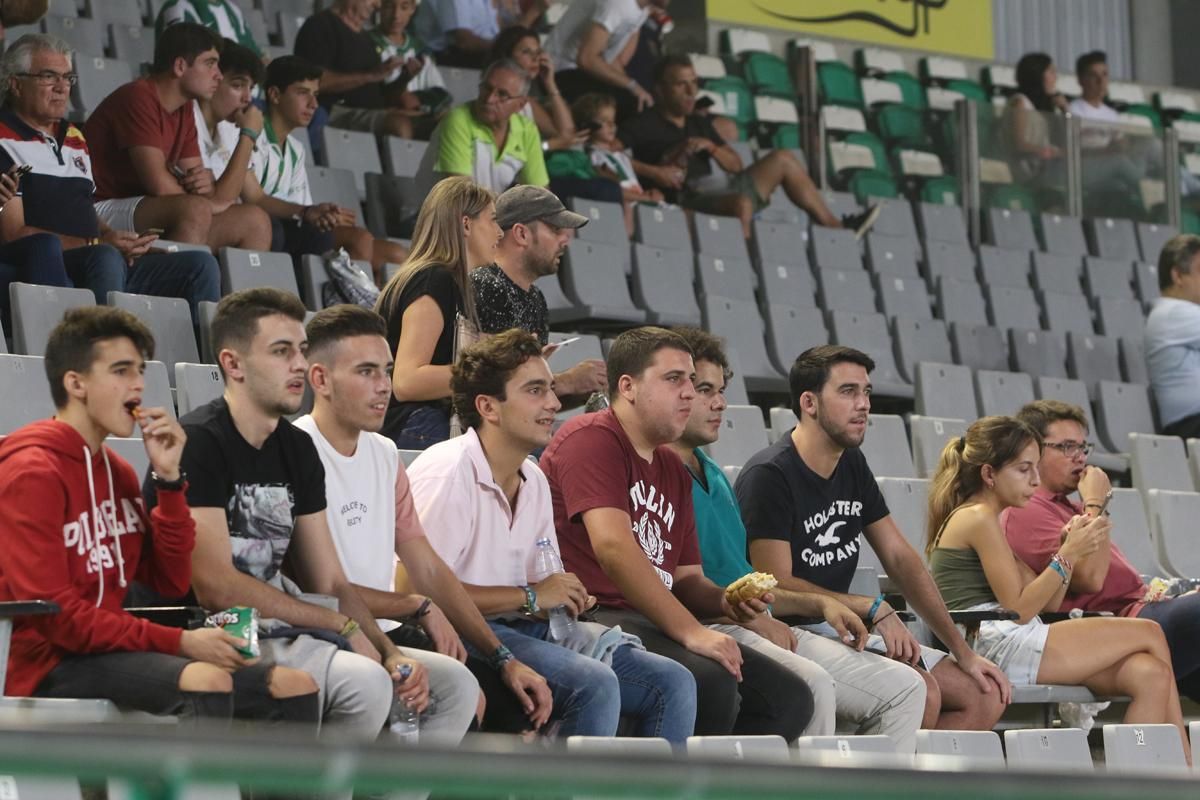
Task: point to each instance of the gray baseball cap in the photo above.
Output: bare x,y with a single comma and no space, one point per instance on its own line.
527,204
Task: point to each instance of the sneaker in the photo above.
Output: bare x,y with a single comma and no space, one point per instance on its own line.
861,223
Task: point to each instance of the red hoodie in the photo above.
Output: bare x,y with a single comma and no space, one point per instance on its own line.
64,539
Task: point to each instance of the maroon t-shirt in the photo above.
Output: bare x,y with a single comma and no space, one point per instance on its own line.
129,117
592,464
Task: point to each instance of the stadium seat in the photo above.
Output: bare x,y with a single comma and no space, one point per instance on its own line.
886,448
1173,517
908,503
1112,238
1133,360
619,745
662,226
248,269
839,85
787,283
978,346
132,44
207,313
313,278
902,297
584,347
118,12
593,276
782,421
333,185
956,261
981,748
929,438
741,748
195,385
1057,749
1063,235
1011,228
768,73
727,276
1145,279
37,309
999,392
392,205
562,309
156,392
24,392
1012,308
743,434
716,236
86,36
739,323
1193,455
35,787
1120,317
779,243
960,301
895,218
1092,359
1075,393
98,78
790,331
942,223
1054,273
846,290
1122,409
1158,462
461,83
944,390
1131,531
355,151
606,221
1001,267
892,255
662,285
1067,312
1151,238
1105,277
869,333
1143,749
169,319
1037,352
852,748
834,248
919,340
402,157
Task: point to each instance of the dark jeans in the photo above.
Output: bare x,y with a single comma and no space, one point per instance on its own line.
1186,428
1179,618
31,259
769,700
424,426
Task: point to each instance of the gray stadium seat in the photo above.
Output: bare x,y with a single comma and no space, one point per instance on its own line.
619,745
960,301
1158,462
779,243
1193,454
606,221
946,259
741,748
1011,228
1012,308
37,309
739,323
34,787
86,36
207,312
1092,359
1067,312
132,44
1173,518
724,276
1131,531
169,319
1056,273
919,340
289,26
1151,238
1074,392
846,290
1145,279
1001,267
157,391
662,226
903,297
743,434
945,390
98,78
1142,749
978,346
791,331
118,12
1133,360
1036,352
908,503
561,308
461,83
247,269
892,255
1105,277
1063,235
852,748
313,278
593,275
662,285
869,333
402,157
409,456
392,205
1000,392
895,218
355,151
1120,317
333,185
718,236
886,448
942,223
586,346
1122,409
782,422
979,747
841,203
929,438
1057,749
834,248
1112,238
735,386
788,283
24,392
197,384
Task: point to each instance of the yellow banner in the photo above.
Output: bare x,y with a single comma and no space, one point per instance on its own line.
960,27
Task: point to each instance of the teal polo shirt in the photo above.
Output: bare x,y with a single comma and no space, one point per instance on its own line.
719,525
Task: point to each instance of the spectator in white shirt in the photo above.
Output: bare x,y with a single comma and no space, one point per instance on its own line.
1173,338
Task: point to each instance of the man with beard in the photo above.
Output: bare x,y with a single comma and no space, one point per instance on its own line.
806,499
537,228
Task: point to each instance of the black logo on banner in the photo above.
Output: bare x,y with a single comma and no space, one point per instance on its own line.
919,25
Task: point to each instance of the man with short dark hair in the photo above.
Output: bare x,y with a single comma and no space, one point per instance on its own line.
865,690
623,512
149,172
228,124
487,509
1172,339
373,521
1105,580
75,532
805,500
674,147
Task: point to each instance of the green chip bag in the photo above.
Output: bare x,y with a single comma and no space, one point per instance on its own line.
241,622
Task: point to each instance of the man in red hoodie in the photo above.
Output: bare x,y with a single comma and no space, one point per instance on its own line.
74,531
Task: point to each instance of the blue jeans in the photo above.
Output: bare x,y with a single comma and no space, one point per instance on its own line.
423,427
1179,617
37,258
190,274
589,697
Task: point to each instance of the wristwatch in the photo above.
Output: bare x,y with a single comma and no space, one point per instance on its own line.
165,485
530,606
499,657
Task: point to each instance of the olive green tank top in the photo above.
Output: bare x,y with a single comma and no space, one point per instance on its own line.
959,574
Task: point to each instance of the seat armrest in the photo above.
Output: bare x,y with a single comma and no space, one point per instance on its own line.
186,617
1059,616
975,617
27,608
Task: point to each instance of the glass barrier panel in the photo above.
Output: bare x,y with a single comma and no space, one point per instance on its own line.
1122,169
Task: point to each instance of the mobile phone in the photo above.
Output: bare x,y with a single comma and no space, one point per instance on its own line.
21,171
178,171
1104,507
703,103
153,232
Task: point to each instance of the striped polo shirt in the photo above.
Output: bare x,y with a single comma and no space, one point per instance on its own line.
280,168
57,193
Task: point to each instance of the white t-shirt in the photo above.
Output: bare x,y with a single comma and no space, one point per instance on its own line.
1173,357
216,152
621,18
1090,137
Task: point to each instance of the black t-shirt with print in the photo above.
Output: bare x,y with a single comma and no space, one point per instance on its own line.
503,305
650,136
262,490
781,498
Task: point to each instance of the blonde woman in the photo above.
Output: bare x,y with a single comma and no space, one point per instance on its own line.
429,313
994,467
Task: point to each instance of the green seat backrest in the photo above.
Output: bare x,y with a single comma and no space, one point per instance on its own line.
1148,112
902,125
786,137
875,145
739,101
839,85
869,183
768,72
941,191
1011,196
910,89
1190,222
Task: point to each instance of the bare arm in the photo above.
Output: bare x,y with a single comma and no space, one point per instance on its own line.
626,54
413,377
150,164
775,556
253,193
699,595
230,182
590,57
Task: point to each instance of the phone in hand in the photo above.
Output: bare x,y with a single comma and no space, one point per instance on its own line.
18,171
703,103
152,232
1104,508
178,171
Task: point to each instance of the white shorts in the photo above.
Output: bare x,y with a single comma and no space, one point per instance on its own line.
1016,649
117,213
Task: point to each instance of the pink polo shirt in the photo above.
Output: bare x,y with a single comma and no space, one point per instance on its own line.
467,517
1035,534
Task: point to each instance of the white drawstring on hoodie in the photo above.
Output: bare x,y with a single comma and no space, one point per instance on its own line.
110,522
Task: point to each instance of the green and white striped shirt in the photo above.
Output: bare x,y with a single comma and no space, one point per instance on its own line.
222,16
280,169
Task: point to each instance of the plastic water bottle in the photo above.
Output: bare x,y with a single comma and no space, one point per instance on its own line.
597,401
403,722
546,563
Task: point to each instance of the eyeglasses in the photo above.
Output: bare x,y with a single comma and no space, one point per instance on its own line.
487,90
48,78
1071,449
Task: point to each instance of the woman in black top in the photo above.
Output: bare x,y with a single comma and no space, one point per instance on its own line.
427,308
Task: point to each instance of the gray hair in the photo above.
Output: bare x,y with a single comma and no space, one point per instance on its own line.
1177,254
19,57
511,66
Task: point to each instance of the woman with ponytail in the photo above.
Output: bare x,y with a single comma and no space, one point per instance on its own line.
994,467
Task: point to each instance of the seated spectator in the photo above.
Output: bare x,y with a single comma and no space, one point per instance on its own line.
416,87
1110,160
674,149
1104,580
1027,130
256,490
537,228
993,468
353,84
545,104
56,194
228,124
1172,339
430,314
57,547
459,32
805,501
223,17
871,693
488,139
597,113
149,173
373,521
591,45
623,513
486,507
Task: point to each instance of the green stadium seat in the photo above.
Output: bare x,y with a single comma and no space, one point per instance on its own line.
1010,196
878,92
839,85
943,191
901,125
1121,95
767,72
938,70
785,137
822,51
1190,221
877,61
870,183
737,99
910,89
735,41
